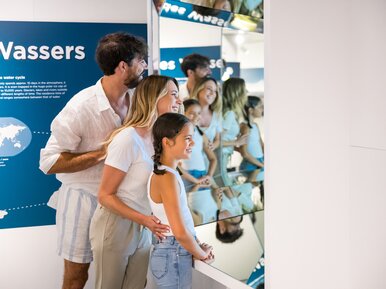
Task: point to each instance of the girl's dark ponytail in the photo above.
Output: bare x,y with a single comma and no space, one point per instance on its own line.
252,102
157,158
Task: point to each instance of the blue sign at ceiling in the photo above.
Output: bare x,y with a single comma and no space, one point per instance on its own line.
194,13
42,65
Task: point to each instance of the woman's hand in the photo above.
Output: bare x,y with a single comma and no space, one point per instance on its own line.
154,225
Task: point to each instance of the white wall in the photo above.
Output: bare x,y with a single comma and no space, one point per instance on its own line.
307,140
178,33
368,145
22,264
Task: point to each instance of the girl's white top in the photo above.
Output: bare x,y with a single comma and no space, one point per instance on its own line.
159,210
254,146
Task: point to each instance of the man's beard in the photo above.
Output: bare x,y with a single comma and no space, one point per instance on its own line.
133,82
197,79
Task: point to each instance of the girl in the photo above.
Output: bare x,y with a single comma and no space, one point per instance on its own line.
207,93
234,99
119,233
195,172
252,151
171,259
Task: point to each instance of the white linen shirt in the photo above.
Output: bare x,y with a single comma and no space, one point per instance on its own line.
183,91
82,125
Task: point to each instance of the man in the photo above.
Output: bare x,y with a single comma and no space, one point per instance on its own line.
195,67
228,230
75,152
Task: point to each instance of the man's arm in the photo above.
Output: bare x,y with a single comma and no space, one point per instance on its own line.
71,163
59,155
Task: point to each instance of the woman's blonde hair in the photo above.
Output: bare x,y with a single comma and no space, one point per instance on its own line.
216,105
235,96
143,106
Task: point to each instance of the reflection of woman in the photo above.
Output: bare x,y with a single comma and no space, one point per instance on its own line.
252,151
207,93
119,232
234,99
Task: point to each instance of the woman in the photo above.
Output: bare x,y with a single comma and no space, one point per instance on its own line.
120,229
207,93
234,99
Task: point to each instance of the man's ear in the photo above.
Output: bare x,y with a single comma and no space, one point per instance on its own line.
190,72
221,227
121,67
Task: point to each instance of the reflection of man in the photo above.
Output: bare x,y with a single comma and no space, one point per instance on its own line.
228,229
74,151
195,67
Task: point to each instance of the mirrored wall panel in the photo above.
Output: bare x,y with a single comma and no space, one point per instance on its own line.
242,15
239,249
217,56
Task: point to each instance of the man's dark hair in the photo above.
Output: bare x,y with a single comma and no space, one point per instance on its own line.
116,47
192,61
227,237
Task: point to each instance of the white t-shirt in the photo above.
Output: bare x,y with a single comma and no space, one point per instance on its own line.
213,128
129,153
159,210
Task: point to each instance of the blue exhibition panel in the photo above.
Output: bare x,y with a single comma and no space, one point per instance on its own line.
42,65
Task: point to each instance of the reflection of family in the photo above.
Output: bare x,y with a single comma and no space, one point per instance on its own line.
119,147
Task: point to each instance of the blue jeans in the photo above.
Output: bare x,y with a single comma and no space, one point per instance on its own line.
247,166
171,265
197,174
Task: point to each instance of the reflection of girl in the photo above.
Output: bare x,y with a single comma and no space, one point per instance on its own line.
196,172
207,93
119,232
252,152
234,99
171,259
